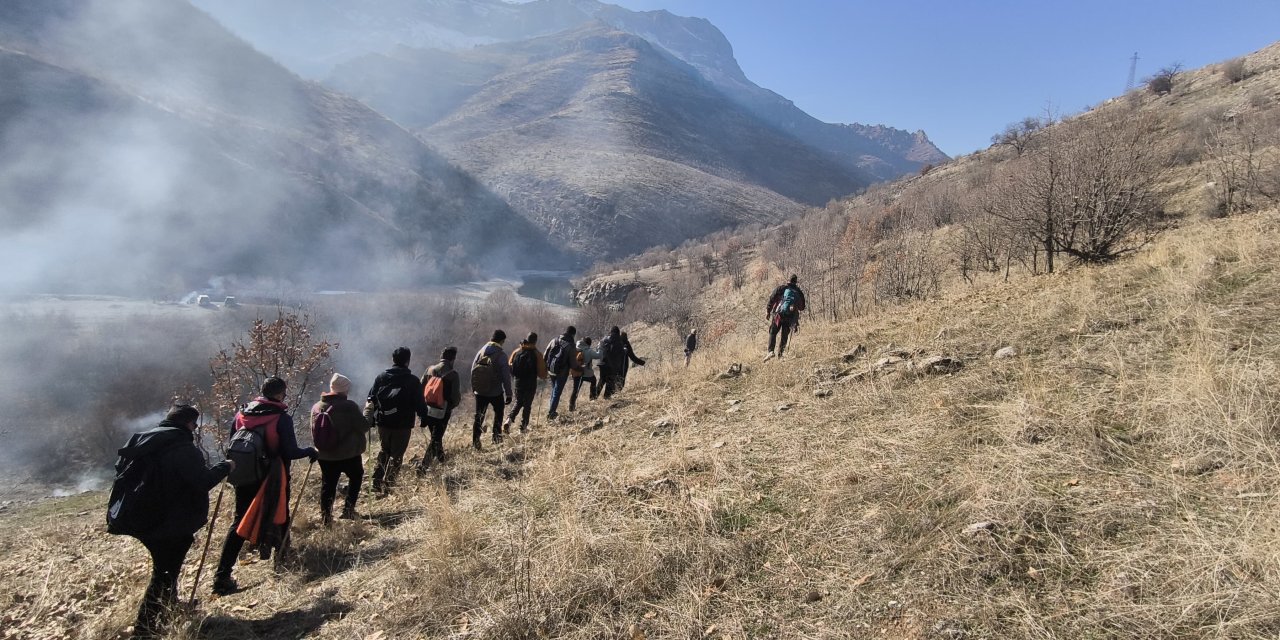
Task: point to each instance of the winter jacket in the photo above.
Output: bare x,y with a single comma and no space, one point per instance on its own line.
452,382
185,477
282,442
569,353
407,404
691,343
348,422
499,358
528,380
631,357
588,356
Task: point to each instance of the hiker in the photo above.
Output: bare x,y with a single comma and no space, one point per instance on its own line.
585,373
527,368
442,392
340,452
561,356
783,312
262,515
626,362
690,345
395,399
176,508
491,386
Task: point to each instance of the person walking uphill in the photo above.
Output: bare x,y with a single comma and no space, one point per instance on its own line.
783,312
167,514
395,399
561,357
615,352
442,391
338,429
586,372
527,368
491,385
631,357
261,478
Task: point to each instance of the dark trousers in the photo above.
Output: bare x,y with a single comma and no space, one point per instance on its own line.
523,404
167,555
330,471
435,448
558,384
779,326
231,547
593,391
482,404
394,443
610,382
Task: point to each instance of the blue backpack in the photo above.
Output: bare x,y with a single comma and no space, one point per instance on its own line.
790,302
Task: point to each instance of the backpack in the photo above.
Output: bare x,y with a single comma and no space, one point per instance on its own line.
485,376
324,435
248,450
137,503
556,363
525,364
790,303
384,401
433,392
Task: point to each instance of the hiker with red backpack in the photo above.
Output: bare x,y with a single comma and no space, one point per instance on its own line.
161,497
394,403
442,392
491,386
561,358
783,312
527,368
263,443
338,429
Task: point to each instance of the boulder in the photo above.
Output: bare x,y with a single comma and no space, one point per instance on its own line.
1006,352
853,355
937,365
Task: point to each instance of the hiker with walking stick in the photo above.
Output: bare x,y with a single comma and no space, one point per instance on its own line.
161,497
263,443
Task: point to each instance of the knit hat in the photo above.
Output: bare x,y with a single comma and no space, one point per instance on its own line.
339,384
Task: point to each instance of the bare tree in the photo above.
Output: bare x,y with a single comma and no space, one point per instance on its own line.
1162,82
1018,135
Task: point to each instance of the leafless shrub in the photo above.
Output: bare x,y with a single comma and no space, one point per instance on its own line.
1162,82
1235,70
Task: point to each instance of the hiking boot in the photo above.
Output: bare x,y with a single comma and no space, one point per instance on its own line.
524,428
326,517
552,416
349,513
475,444
225,586
497,438
768,356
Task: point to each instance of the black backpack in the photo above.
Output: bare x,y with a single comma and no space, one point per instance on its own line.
248,450
137,503
525,364
387,399
556,363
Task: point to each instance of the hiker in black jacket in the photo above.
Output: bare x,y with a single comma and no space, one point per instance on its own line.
395,400
615,356
626,363
437,419
185,481
690,345
783,312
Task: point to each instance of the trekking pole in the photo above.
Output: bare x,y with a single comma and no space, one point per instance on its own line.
208,537
288,526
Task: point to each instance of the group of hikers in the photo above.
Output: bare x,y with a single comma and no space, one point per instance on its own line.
161,493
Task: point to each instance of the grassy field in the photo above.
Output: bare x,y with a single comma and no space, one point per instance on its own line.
1117,478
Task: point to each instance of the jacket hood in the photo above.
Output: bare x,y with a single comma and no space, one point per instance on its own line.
163,436
330,397
524,346
264,407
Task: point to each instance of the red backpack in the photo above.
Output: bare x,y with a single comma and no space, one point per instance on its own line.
433,392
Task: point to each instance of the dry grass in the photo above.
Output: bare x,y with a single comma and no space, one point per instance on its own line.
1126,460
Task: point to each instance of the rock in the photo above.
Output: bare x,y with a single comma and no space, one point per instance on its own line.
812,597
663,423
734,409
822,393
851,356
734,403
1006,352
734,371
985,525
594,426
937,365
786,406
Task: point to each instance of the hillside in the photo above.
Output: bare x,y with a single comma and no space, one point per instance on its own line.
1113,479
148,123
606,141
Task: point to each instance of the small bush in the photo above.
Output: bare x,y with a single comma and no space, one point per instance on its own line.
1162,82
1235,70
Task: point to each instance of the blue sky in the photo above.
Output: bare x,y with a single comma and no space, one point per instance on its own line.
960,69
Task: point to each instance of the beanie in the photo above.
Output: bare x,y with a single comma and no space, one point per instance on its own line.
339,384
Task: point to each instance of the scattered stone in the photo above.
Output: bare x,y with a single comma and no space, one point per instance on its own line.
976,527
786,406
1199,465
852,356
1006,352
812,597
734,371
594,426
663,423
822,393
734,403
938,365
718,445
734,409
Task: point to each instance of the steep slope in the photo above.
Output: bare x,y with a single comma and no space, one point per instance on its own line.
314,39
600,137
188,155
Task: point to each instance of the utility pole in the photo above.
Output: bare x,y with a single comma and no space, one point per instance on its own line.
1133,70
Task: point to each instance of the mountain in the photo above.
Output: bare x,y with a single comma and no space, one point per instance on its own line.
314,39
143,145
607,141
